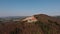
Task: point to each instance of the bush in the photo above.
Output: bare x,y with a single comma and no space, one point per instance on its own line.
16,31
50,21
43,26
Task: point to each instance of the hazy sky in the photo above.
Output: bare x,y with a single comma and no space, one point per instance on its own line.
29,7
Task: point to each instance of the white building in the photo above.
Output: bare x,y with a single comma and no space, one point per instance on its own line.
30,19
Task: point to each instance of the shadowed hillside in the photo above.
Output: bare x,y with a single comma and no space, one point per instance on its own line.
45,25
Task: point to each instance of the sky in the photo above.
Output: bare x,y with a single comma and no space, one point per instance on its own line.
29,7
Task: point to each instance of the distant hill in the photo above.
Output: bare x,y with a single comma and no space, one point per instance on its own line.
57,17
12,18
45,25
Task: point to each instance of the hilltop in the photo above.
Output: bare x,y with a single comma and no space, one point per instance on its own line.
44,25
46,18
